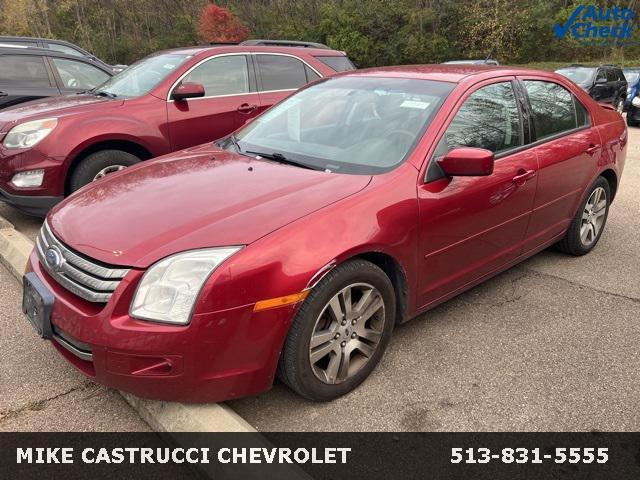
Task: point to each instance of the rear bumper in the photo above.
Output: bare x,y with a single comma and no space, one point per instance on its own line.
32,205
218,356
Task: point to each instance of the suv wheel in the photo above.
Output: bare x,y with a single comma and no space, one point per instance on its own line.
620,105
99,165
340,332
588,224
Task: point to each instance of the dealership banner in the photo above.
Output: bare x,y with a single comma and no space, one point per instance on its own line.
321,455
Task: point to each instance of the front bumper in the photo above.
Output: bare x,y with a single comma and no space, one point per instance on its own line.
218,356
32,205
32,200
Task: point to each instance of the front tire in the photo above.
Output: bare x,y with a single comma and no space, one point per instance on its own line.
630,121
100,164
620,105
340,332
589,222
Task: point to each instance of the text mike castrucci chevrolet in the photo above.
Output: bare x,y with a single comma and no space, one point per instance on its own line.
294,246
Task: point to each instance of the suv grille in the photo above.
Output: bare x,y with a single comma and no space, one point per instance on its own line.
86,278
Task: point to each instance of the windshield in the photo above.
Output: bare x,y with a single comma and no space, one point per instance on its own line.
354,125
142,76
578,75
631,75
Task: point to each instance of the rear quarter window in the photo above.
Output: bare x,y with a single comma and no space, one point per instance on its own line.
23,71
339,64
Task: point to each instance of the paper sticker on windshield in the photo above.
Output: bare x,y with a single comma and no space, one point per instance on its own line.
169,66
415,104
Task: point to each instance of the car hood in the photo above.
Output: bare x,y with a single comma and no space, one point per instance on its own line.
197,198
53,107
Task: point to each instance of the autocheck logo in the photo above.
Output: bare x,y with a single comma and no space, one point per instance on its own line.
598,25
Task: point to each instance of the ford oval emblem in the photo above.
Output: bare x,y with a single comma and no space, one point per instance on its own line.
54,258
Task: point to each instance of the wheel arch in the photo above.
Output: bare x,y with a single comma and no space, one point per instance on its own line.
129,146
390,266
610,176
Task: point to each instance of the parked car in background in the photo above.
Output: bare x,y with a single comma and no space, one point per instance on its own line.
58,46
296,244
632,75
605,84
35,73
169,101
486,61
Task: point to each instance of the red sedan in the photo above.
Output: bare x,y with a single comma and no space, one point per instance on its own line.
295,245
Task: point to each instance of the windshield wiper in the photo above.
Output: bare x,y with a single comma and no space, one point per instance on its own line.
280,158
104,94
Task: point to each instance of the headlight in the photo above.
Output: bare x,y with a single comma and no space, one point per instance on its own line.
636,102
169,289
29,134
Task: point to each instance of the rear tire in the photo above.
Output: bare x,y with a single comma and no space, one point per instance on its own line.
589,222
330,348
98,165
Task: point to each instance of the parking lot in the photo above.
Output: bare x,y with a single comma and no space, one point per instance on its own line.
552,344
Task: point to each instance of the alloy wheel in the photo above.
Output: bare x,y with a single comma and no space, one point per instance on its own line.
620,107
347,333
593,216
107,170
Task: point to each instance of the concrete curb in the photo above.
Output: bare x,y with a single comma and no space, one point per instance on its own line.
15,249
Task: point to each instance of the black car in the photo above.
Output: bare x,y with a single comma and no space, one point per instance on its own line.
605,84
32,73
58,46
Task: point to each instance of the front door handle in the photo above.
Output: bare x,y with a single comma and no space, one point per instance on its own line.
246,108
4,94
592,149
523,176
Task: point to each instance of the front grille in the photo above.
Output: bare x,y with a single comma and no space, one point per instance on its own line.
95,282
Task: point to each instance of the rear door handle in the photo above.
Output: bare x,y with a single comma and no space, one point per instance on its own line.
592,149
246,108
523,176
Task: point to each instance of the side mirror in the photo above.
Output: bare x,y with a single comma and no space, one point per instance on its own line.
188,90
467,162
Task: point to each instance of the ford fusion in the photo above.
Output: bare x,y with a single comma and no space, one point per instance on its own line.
294,246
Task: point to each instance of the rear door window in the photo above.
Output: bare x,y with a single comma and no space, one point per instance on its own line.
24,71
339,64
552,106
280,72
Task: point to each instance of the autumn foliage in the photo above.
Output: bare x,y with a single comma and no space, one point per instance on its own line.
219,25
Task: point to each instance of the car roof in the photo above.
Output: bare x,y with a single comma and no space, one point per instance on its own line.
205,50
445,72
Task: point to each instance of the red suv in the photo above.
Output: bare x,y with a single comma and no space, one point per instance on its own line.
166,102
298,243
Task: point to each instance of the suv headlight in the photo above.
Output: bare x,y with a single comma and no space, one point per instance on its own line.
170,288
29,134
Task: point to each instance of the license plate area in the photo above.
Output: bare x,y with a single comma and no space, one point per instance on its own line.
37,303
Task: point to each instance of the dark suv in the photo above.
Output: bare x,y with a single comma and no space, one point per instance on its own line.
605,84
58,46
33,73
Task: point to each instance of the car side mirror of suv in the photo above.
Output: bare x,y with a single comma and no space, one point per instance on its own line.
188,90
467,162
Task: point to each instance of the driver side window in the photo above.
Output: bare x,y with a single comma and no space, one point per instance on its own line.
227,75
79,75
488,119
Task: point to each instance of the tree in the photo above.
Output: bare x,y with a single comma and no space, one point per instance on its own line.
219,25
